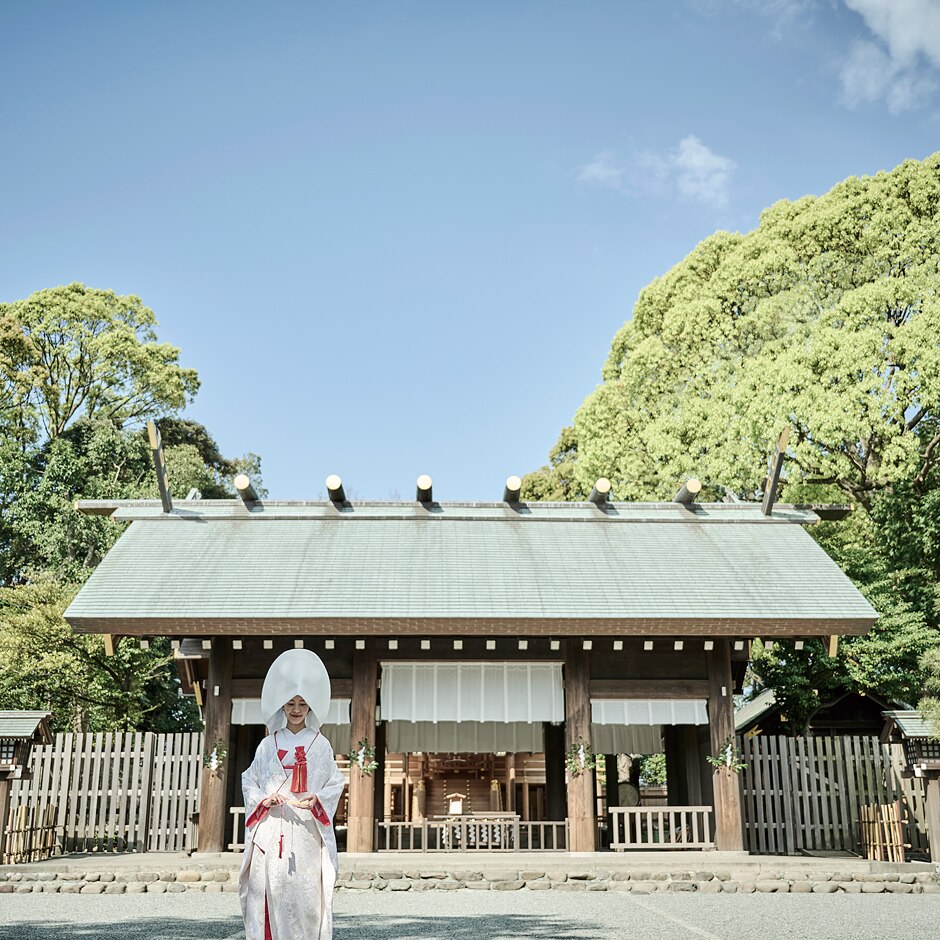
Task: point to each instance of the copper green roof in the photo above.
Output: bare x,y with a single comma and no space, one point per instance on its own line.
21,724
912,724
629,568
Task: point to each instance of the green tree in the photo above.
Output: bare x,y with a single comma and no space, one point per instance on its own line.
930,703
81,370
45,664
68,351
825,319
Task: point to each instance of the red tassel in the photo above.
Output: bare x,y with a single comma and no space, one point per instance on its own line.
299,780
280,847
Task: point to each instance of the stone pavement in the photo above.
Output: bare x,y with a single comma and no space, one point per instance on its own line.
465,915
637,873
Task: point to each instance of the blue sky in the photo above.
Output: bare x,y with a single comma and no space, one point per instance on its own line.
397,238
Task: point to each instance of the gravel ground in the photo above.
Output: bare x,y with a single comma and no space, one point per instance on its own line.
467,915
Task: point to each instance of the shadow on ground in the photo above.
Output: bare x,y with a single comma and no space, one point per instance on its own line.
377,927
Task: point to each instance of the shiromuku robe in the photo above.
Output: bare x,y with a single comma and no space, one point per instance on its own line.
290,864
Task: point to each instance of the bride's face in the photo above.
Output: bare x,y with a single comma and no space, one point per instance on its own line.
296,711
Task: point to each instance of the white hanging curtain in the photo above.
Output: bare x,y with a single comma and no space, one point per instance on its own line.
608,711
336,729
634,726
472,692
468,737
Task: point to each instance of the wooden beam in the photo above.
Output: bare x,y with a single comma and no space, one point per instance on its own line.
424,489
650,688
110,643
833,648
246,489
600,492
776,465
581,812
334,487
688,491
159,466
513,489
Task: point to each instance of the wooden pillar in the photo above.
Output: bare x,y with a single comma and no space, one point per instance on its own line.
932,816
405,788
213,811
729,825
581,818
510,783
6,788
554,736
359,837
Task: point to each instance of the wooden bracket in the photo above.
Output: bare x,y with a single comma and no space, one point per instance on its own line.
833,646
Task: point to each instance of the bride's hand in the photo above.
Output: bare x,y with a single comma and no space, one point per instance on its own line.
275,799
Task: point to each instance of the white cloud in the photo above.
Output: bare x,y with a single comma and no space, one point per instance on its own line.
702,174
897,66
689,171
603,171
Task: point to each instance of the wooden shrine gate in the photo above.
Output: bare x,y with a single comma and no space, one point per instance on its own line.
114,792
807,793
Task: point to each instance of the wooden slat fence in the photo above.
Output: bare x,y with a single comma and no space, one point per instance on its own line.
115,792
807,793
661,827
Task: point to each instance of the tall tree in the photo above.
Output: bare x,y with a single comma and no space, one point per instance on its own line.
825,319
80,371
68,351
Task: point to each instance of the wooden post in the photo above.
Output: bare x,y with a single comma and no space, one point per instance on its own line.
729,824
6,786
554,771
213,813
511,783
581,820
362,786
932,816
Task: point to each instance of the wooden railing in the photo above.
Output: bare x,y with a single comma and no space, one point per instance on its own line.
661,827
238,829
496,833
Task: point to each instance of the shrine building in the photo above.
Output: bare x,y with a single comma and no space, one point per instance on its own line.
478,648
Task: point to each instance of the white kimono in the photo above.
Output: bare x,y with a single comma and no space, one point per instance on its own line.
289,869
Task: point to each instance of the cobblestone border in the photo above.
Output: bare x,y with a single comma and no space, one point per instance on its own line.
216,881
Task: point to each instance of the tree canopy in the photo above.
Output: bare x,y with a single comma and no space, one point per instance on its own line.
825,319
81,371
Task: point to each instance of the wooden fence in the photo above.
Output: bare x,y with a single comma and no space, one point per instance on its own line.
807,793
660,827
114,792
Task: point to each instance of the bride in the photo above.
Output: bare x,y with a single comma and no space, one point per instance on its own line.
291,792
